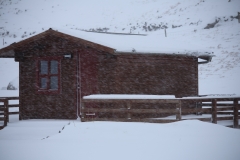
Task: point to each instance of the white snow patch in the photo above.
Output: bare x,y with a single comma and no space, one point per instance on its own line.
128,96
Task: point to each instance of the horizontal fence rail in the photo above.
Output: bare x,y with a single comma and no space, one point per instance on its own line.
218,109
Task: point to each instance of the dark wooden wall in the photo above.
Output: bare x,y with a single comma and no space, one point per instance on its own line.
106,74
63,105
88,75
149,74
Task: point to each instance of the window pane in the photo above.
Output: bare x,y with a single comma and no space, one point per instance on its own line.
54,82
54,67
43,84
44,67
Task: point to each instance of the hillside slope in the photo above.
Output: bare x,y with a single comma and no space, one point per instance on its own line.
184,21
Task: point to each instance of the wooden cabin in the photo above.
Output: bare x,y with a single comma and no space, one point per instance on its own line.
56,70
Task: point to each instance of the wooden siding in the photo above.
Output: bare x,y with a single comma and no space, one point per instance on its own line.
106,74
149,74
34,104
88,72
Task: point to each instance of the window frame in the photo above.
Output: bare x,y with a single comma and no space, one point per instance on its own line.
48,76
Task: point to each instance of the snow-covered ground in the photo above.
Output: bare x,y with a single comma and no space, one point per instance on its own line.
67,139
185,21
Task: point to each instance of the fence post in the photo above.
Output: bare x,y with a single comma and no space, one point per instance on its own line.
5,112
235,113
82,113
214,111
199,105
7,109
179,111
20,110
129,108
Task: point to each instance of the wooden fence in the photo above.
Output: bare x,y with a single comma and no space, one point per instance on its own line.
219,109
129,110
4,109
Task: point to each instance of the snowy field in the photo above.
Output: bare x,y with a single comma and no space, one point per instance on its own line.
72,139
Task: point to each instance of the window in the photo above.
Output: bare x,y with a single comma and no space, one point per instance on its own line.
49,75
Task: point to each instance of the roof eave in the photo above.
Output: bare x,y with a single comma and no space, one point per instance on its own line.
206,57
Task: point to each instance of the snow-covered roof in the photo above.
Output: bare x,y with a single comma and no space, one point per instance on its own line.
122,44
152,43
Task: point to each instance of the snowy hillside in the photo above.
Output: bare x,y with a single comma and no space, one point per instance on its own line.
184,21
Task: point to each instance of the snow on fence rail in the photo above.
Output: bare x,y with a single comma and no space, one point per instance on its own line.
4,109
219,109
